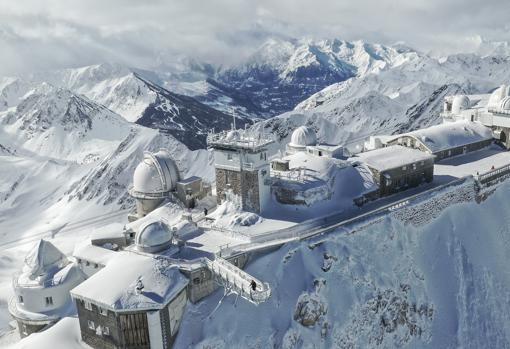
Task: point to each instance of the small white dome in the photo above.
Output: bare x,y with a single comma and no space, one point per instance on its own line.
460,102
156,175
153,237
497,95
303,136
505,103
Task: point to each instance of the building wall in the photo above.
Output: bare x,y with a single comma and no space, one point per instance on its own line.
245,184
90,336
26,329
404,177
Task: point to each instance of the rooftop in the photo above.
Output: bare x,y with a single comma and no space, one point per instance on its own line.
115,286
451,134
395,156
239,139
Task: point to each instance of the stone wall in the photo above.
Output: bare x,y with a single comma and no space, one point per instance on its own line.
245,184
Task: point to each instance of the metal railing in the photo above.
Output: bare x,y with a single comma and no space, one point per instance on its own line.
497,174
235,280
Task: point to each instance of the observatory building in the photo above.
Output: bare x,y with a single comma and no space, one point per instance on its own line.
242,167
42,288
157,179
491,110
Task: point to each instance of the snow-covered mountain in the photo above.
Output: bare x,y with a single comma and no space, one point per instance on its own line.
137,96
62,153
404,97
281,73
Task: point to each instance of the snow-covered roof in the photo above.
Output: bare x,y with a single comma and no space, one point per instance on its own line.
95,254
43,257
131,281
451,134
392,157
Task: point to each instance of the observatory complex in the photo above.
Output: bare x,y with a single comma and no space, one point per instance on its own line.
187,237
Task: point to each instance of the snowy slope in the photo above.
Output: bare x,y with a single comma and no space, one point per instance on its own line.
443,285
69,154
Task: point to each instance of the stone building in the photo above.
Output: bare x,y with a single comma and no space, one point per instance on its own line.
396,168
136,301
447,139
242,166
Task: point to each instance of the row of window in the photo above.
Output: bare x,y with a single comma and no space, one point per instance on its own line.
48,300
103,330
88,306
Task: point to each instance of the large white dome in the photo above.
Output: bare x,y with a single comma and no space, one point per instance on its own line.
303,136
153,237
460,102
496,96
156,175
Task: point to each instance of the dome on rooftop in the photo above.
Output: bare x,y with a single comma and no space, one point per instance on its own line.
460,102
497,95
153,237
505,104
303,136
43,257
156,175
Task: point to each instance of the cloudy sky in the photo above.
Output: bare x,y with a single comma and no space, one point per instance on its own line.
45,34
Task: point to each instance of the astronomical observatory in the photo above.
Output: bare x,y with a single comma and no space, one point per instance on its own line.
188,237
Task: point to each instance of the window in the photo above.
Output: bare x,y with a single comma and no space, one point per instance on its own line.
414,166
91,325
196,281
20,299
96,266
404,168
49,301
87,305
106,330
229,156
103,312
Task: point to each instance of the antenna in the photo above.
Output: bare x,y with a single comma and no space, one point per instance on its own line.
234,117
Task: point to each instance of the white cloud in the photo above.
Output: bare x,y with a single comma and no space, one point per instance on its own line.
38,34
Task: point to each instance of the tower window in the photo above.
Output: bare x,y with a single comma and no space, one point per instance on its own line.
49,301
91,325
20,299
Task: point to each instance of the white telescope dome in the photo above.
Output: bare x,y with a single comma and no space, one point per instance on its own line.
155,176
460,102
153,237
303,136
497,95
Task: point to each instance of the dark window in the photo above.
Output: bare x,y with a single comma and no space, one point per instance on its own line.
196,281
49,301
20,299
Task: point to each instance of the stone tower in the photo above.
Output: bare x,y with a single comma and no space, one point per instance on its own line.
242,166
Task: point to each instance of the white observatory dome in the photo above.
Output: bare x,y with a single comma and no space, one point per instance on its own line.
460,102
155,176
153,237
496,96
303,136
505,104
